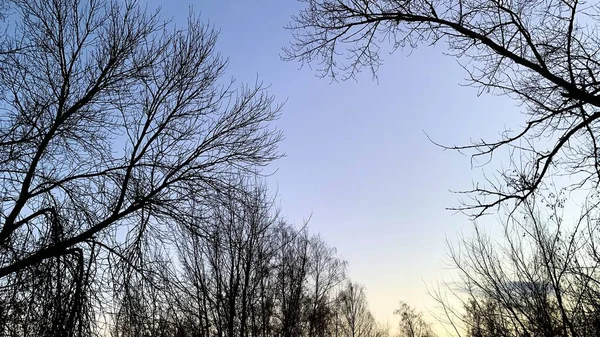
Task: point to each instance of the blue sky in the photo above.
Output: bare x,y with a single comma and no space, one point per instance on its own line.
357,158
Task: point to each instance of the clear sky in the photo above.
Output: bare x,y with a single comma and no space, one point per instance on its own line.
357,158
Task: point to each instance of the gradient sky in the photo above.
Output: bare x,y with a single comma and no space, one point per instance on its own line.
357,158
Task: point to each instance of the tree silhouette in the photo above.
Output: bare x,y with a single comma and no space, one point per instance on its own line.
111,124
539,277
543,54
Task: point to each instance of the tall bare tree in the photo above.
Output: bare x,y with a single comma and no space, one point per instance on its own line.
226,257
111,124
326,272
355,319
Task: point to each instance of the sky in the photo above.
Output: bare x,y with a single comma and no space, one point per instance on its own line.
358,162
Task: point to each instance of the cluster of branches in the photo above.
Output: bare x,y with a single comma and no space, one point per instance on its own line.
542,53
412,323
539,277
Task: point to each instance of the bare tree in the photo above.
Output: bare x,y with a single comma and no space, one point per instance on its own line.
539,278
325,273
412,323
226,257
355,319
248,273
541,53
111,123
